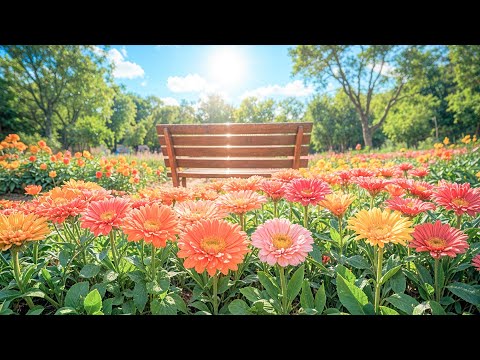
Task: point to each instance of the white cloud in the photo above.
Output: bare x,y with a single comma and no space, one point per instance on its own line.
295,88
122,69
386,70
170,101
190,83
143,83
123,51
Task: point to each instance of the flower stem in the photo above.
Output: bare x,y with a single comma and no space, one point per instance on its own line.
275,209
16,273
154,253
340,233
377,284
305,217
283,283
242,221
459,221
291,212
215,290
372,202
142,251
114,250
35,252
437,285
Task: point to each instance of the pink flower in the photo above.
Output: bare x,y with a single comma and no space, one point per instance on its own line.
476,262
409,206
458,197
282,242
307,191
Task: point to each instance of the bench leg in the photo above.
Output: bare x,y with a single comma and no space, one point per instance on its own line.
184,182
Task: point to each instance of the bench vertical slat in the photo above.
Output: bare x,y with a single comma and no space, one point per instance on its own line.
298,148
171,156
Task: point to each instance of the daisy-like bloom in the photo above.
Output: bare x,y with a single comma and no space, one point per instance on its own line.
153,223
88,191
405,166
337,203
17,228
460,198
306,191
287,175
419,172
59,204
282,242
387,172
175,195
216,185
439,239
345,177
189,212
81,185
329,178
274,189
421,189
379,227
104,215
476,262
239,202
203,193
361,172
33,189
237,184
395,190
373,185
409,206
214,245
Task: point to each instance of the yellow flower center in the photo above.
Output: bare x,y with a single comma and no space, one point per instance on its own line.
306,192
151,225
282,241
107,216
421,188
460,202
380,233
213,244
436,242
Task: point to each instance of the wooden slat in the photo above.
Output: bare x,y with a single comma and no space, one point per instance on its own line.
298,144
269,128
221,151
235,140
224,173
171,155
236,163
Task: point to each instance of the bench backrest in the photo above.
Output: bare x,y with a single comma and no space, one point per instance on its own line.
272,145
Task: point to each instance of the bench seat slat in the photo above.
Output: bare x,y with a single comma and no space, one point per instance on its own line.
234,140
272,128
237,151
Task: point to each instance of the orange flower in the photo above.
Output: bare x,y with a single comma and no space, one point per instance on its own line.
78,155
337,203
104,215
17,228
42,143
274,189
52,174
239,202
287,175
59,204
190,212
32,158
98,174
66,161
175,194
33,189
153,223
43,166
53,158
395,190
80,163
214,245
237,184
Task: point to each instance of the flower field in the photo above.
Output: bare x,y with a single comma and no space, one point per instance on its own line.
356,233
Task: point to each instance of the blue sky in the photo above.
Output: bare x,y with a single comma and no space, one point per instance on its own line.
191,72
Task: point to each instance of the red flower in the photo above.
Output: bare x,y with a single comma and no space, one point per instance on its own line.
306,191
104,215
98,174
66,161
373,185
476,262
458,197
405,166
32,158
408,206
274,189
419,172
361,172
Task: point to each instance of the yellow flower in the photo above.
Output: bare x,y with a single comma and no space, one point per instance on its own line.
446,141
438,145
403,150
478,175
466,139
379,227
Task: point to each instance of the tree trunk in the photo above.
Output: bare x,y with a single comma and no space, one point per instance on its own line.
367,135
48,125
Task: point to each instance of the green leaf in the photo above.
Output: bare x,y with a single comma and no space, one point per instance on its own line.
465,292
64,257
398,282
320,299
352,297
36,310
252,294
110,276
358,262
223,284
8,294
92,302
140,296
128,308
334,235
200,306
165,307
436,308
345,273
35,293
332,311
389,274
89,271
387,311
424,274
306,297
316,253
420,309
107,306
76,294
295,283
66,311
403,302
238,307
179,303
268,284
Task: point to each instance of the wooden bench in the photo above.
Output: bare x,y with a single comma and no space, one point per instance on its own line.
233,150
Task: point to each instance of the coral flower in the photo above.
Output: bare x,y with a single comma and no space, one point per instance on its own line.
379,227
337,203
361,172
174,195
33,189
439,239
17,228
153,223
43,166
306,191
59,204
190,211
409,206
395,190
104,215
419,172
387,172
405,166
458,197
214,245
421,189
287,175
476,262
240,202
237,184
373,185
52,174
274,189
282,242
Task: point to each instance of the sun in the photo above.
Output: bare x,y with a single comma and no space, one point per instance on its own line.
227,66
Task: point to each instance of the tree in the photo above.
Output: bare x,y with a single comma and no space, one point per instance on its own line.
214,109
290,109
252,110
8,116
40,76
361,71
123,116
